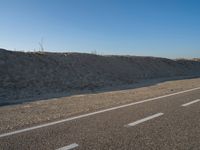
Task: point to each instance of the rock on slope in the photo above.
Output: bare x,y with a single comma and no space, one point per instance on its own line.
24,75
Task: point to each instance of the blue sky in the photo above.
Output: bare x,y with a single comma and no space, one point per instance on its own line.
166,28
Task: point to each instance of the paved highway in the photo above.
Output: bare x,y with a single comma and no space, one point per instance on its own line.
167,122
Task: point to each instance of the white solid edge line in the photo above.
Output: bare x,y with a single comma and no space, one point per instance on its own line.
68,147
144,119
93,113
190,103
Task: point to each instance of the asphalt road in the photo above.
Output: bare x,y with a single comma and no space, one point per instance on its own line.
166,123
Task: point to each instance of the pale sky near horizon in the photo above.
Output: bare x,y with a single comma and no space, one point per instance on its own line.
164,28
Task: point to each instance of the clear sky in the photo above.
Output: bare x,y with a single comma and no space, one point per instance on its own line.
166,28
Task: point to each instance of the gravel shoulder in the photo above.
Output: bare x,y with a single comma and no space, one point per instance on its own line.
34,113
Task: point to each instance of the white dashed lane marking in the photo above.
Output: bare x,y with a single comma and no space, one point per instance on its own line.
144,119
190,103
68,147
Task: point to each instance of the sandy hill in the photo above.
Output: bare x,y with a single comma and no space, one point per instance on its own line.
24,75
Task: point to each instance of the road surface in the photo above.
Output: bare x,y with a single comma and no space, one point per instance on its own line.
167,122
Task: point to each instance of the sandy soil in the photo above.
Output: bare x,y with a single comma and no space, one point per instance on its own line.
29,114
